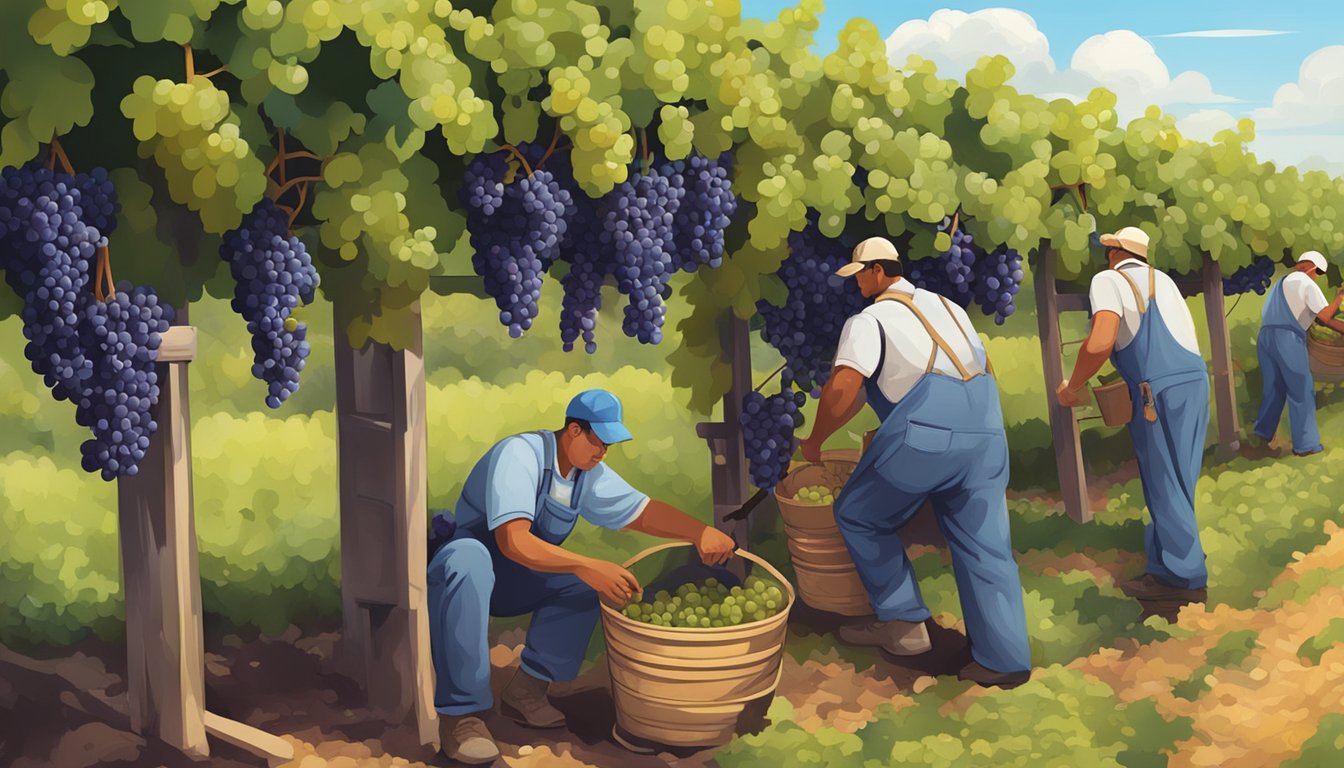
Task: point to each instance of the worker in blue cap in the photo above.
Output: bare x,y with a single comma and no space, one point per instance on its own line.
505,558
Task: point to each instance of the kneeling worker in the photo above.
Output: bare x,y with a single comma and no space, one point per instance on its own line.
924,370
519,504
1295,303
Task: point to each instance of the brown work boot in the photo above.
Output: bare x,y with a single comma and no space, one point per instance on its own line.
524,700
465,738
985,677
899,638
1149,587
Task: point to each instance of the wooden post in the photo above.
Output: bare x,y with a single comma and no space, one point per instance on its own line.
1063,422
729,475
165,665
382,444
1224,385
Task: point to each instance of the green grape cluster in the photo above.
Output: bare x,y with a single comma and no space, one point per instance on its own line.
711,604
815,494
192,134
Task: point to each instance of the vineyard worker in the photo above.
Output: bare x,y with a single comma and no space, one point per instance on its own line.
518,505
1294,304
920,365
1141,323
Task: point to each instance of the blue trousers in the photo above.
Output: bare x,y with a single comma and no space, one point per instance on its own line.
1287,377
469,583
1170,452
965,476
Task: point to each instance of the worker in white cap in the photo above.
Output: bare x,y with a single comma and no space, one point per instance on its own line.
918,362
1295,302
1142,324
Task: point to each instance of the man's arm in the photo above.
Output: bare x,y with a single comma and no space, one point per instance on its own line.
840,400
517,543
1326,316
1095,351
666,521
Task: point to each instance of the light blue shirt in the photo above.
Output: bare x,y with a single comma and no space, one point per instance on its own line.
503,487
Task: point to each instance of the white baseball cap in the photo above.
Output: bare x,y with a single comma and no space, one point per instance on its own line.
1131,239
1315,258
870,250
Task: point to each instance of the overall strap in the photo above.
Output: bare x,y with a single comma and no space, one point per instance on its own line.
548,459
948,306
938,342
1133,286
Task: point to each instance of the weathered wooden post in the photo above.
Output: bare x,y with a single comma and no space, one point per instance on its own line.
380,422
729,476
165,664
1063,421
1224,385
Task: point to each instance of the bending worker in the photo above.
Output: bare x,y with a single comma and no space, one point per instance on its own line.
519,504
1295,302
1141,322
916,360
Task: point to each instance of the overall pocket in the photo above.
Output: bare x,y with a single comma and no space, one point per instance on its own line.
554,522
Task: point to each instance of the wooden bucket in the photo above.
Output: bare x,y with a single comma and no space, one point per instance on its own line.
1326,359
1115,403
827,579
686,687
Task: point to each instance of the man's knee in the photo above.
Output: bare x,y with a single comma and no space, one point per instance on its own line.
464,561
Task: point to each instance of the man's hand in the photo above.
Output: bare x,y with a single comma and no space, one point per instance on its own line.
1067,396
715,546
611,581
811,448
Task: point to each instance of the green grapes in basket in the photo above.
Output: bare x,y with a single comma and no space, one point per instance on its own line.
711,604
815,494
1327,335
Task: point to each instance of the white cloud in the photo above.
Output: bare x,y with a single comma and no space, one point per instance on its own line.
1223,33
1119,60
1315,100
1205,123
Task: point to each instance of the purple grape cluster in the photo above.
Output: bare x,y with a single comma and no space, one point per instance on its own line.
706,208
516,226
806,329
273,275
98,354
952,273
768,424
636,219
1255,276
998,278
122,336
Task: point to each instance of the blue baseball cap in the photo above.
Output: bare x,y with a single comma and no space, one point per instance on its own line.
602,411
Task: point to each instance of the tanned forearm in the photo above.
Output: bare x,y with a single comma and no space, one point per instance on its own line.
1327,315
666,521
841,399
1096,348
517,543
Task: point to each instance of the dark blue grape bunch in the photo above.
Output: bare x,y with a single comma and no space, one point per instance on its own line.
706,209
122,336
768,426
98,198
1256,276
951,273
273,275
636,221
998,278
806,329
517,228
590,262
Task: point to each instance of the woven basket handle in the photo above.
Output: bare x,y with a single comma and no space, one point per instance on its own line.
655,549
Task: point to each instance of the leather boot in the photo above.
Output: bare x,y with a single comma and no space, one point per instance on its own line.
899,638
524,700
465,738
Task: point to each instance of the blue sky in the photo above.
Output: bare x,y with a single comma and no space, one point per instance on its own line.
1244,72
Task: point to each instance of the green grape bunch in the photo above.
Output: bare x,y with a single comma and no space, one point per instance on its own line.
816,494
711,604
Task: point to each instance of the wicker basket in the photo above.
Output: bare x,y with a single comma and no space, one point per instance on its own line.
1114,402
685,687
1326,358
827,579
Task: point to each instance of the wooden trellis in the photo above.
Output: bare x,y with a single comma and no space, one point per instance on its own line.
1064,431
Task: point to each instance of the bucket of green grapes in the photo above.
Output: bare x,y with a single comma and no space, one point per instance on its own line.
827,578
1325,354
686,661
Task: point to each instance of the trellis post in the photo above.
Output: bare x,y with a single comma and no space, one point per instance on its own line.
1220,340
382,446
1063,421
729,477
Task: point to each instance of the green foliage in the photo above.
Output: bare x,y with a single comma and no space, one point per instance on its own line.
1324,746
1232,650
1329,638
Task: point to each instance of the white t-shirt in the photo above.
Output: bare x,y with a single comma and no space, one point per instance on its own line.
1305,298
908,344
1111,293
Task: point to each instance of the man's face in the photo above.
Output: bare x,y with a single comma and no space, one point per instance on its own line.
585,450
870,281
